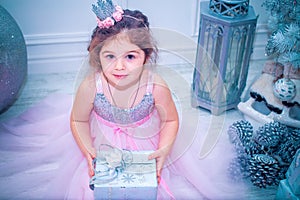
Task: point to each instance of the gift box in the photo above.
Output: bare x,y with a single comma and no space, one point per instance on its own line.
285,192
133,178
293,174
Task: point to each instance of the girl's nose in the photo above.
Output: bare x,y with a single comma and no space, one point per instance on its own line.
119,64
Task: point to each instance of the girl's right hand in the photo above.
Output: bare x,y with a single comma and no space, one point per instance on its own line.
160,155
90,161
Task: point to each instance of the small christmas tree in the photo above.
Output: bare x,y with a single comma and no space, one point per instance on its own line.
284,43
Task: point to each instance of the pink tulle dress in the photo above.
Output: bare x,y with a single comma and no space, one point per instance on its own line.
41,160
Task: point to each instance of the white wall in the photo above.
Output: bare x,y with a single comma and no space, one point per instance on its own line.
57,32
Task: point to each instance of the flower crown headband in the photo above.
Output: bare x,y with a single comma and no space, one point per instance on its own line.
108,14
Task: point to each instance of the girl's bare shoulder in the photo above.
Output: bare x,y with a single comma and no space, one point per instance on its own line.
160,87
88,84
159,81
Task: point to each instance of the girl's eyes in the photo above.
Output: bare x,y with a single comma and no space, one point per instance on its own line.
113,57
109,56
130,56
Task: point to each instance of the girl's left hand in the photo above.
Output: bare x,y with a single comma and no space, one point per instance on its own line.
160,155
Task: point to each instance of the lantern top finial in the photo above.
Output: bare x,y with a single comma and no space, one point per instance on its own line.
229,8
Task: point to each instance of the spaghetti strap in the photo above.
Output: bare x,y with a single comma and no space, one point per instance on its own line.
150,83
98,83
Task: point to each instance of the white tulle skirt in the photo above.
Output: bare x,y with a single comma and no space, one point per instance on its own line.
40,159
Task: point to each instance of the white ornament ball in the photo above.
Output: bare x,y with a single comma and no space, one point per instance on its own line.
284,89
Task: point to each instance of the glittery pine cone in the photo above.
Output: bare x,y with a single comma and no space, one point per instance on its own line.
240,132
287,150
264,170
270,135
239,168
294,133
253,148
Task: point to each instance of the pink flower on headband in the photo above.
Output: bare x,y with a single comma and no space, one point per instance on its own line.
119,9
110,21
118,14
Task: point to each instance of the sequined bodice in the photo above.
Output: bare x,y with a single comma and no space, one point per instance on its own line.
111,113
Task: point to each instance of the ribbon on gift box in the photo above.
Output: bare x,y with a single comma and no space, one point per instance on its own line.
110,161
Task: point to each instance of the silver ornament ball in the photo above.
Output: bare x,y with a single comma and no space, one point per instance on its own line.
284,89
13,60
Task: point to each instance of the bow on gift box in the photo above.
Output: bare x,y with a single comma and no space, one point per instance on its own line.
109,163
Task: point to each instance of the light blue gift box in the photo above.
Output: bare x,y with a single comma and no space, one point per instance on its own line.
289,188
285,192
138,180
293,174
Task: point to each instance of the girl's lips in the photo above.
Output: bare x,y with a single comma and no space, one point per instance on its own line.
119,76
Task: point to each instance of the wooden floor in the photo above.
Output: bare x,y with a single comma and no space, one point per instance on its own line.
39,86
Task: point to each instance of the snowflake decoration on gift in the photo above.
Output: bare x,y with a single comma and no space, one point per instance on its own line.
141,179
128,178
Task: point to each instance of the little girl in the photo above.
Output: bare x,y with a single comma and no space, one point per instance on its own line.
121,103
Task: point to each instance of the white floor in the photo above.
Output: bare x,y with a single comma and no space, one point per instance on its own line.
39,86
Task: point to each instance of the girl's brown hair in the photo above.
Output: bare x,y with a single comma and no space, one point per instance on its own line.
136,27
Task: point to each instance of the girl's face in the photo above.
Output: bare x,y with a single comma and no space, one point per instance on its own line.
122,62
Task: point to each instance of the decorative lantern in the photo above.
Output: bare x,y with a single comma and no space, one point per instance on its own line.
225,44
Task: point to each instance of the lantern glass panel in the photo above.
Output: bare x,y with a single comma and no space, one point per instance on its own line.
210,74
236,57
